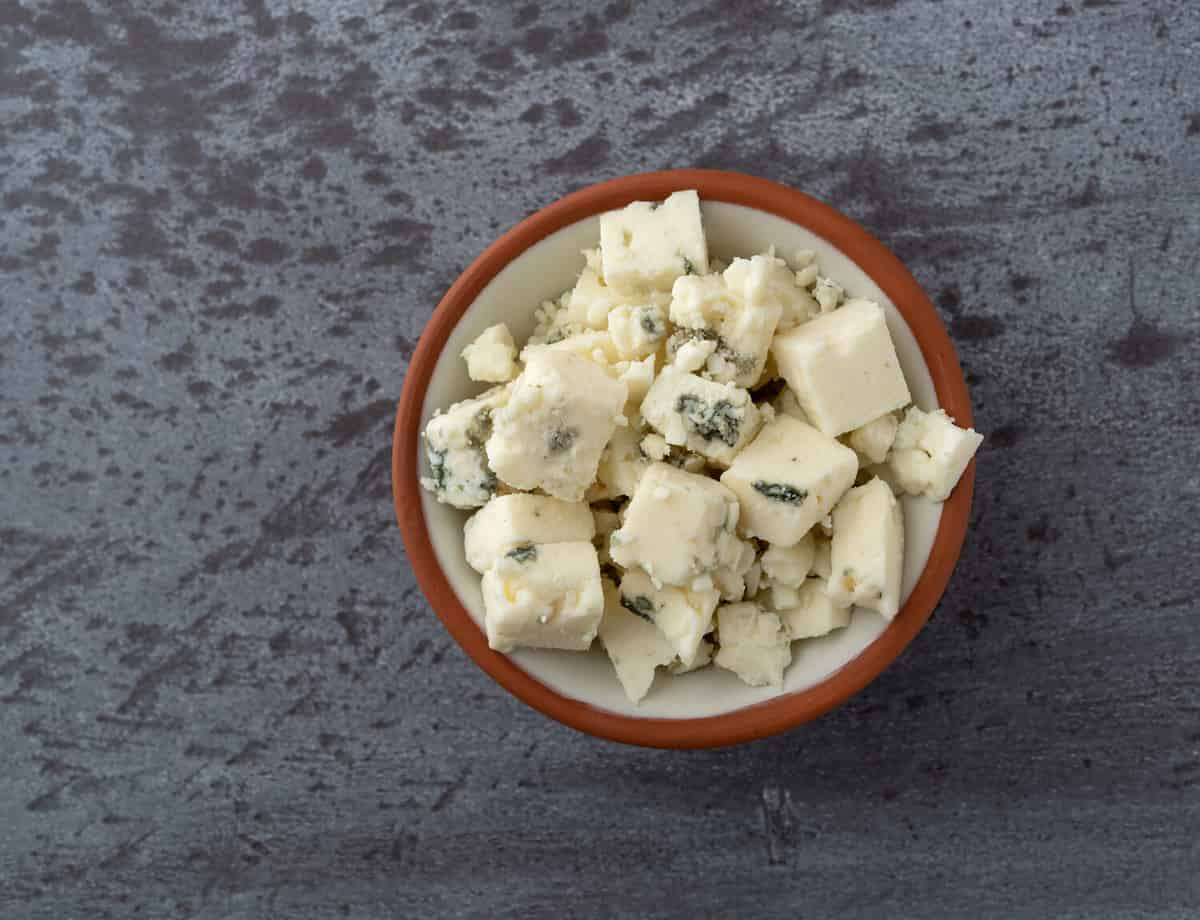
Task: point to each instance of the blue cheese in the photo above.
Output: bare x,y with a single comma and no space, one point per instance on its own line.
508,521
647,245
622,463
550,434
637,330
704,656
700,517
753,644
459,474
789,565
715,420
683,616
873,440
867,553
813,613
634,645
704,307
546,596
843,367
492,356
765,280
787,479
930,453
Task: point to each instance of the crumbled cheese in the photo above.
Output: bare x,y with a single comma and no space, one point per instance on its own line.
789,565
637,330
550,434
753,644
634,645
514,520
843,367
930,453
678,527
546,596
867,553
683,616
647,245
454,445
715,420
491,358
814,613
787,479
873,440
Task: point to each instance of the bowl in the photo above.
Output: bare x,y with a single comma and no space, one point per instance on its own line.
537,260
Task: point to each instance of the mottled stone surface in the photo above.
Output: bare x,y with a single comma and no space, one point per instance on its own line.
223,227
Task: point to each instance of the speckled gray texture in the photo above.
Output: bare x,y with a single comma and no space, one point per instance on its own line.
223,227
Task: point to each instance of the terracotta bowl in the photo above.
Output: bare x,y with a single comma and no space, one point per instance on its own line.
540,258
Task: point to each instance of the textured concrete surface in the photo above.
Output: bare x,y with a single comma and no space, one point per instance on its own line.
223,227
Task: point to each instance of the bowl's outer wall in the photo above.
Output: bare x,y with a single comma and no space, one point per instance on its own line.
779,713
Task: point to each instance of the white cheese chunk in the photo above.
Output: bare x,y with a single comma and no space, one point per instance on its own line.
622,464
514,520
546,596
492,356
873,440
562,411
678,527
638,377
655,446
821,567
814,613
930,453
454,444
715,420
781,597
637,329
764,280
634,645
787,479
867,552
693,354
753,643
681,615
843,367
590,302
704,656
591,344
789,565
705,308
827,293
648,245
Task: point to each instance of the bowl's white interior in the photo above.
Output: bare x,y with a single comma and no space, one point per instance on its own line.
546,270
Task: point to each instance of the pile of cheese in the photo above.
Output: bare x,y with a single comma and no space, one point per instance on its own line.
696,462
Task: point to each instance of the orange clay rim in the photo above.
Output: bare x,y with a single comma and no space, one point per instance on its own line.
770,716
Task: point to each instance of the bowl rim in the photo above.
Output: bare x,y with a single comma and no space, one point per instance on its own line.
779,713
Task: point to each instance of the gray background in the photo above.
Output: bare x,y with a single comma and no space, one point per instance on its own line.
223,228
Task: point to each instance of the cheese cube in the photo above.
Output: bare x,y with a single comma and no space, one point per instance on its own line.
546,596
692,354
622,463
930,453
647,245
681,615
591,344
492,356
867,552
730,578
781,597
704,307
789,565
634,645
712,419
454,442
843,367
638,377
562,411
764,280
703,659
637,330
873,440
814,613
828,294
787,479
514,520
754,645
589,303
678,527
